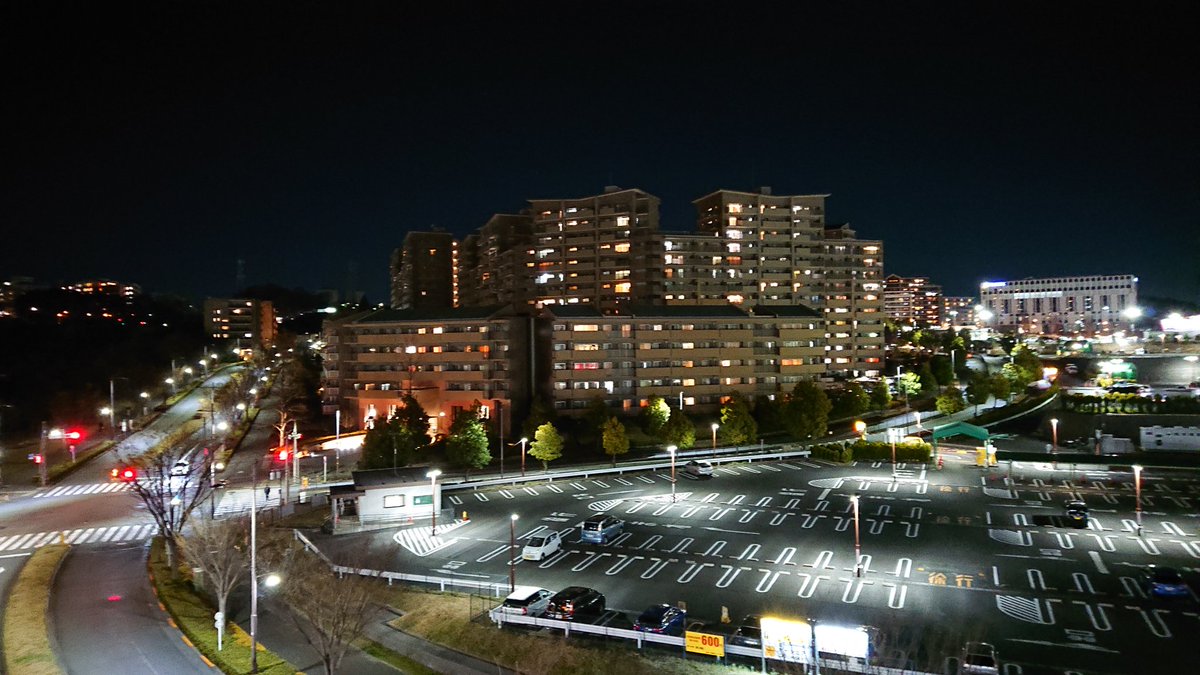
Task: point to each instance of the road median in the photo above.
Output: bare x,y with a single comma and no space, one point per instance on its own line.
27,647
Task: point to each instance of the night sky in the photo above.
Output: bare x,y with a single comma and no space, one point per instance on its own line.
979,140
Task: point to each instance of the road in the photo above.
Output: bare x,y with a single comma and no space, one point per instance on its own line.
951,555
106,619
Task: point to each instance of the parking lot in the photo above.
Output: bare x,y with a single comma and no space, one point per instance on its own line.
956,554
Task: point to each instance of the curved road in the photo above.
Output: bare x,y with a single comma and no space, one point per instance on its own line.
106,619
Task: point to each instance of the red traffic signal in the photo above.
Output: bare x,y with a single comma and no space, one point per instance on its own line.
128,473
282,456
37,459
73,435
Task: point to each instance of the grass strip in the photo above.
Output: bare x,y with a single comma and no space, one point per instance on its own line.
27,649
398,661
68,467
446,618
194,617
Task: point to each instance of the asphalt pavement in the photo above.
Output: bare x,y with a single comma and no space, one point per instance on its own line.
106,619
954,555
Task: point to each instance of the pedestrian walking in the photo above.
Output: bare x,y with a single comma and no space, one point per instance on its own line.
267,491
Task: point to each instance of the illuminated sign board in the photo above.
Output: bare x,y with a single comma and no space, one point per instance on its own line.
703,643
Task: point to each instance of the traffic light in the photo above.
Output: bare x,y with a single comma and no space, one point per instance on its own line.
283,455
128,474
73,435
37,459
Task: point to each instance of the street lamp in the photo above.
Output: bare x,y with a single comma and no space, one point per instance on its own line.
204,362
523,441
1191,358
171,381
145,396
433,476
857,543
213,468
1054,433
715,426
893,433
671,449
1137,490
860,428
253,567
512,545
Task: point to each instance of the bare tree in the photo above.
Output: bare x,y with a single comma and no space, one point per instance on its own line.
220,548
172,482
332,617
285,420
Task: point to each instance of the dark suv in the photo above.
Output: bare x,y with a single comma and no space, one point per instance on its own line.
575,601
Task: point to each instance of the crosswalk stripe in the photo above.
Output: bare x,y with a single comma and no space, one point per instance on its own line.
112,531
147,530
121,533
80,535
46,538
91,535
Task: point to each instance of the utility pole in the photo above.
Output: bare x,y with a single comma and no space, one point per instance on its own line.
42,456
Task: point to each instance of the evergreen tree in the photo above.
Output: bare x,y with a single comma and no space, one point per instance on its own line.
547,445
999,386
908,384
807,411
595,416
654,416
951,401
412,416
540,412
852,401
881,396
616,439
467,444
978,390
942,371
679,431
391,444
768,413
929,383
737,424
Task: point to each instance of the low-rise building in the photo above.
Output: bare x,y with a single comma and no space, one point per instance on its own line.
1085,305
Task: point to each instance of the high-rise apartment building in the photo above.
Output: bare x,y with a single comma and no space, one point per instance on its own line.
958,311
494,262
250,322
425,271
912,301
1087,305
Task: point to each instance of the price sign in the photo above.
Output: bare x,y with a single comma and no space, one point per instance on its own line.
703,643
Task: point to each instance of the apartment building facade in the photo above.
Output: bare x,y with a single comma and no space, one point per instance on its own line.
912,301
958,311
1088,305
448,359
424,271
249,322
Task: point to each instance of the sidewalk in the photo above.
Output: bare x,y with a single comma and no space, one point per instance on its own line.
428,654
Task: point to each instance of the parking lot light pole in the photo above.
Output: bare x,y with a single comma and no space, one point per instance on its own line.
512,545
671,449
857,543
893,432
1054,433
433,476
523,441
715,426
1137,491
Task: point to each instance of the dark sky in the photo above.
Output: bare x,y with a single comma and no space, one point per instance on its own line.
161,143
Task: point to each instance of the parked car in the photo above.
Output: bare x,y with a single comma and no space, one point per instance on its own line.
1077,513
541,545
575,601
1131,388
1071,369
749,634
526,600
600,529
1164,582
979,658
698,468
663,619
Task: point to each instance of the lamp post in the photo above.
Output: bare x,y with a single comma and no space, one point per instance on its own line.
253,568
433,476
1191,359
523,441
715,426
893,433
171,381
512,545
860,428
671,449
145,396
1054,433
857,543
213,468
1137,491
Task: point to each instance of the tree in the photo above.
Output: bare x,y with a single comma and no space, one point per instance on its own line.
929,383
768,413
547,445
951,401
595,416
654,416
978,390
220,549
541,412
1017,377
171,482
1000,387
881,396
391,444
807,411
679,431
908,384
1027,361
616,440
467,444
737,424
332,619
852,401
412,417
942,371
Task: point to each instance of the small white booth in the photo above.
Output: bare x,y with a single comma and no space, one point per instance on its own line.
383,497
